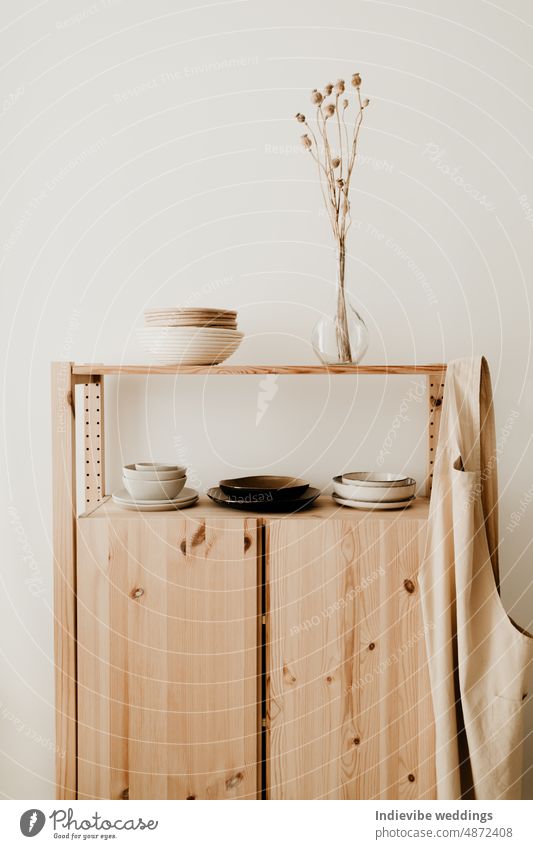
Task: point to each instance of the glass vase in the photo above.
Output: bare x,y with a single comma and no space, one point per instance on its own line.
340,337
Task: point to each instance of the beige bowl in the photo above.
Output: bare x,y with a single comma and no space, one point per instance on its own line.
158,467
156,473
375,494
374,479
154,490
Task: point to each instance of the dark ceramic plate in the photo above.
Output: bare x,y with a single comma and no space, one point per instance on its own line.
272,486
263,502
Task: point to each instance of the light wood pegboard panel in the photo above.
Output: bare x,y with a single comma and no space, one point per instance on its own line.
93,439
435,395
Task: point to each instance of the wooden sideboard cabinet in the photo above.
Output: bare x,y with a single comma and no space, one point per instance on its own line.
213,654
349,712
168,676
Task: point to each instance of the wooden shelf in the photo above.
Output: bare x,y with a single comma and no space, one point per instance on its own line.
324,508
90,369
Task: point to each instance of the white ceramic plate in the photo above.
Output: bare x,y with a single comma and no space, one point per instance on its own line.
190,322
217,345
183,349
191,357
374,479
189,328
220,319
186,498
184,334
185,495
188,311
372,505
156,348
187,361
355,492
190,350
190,334
179,333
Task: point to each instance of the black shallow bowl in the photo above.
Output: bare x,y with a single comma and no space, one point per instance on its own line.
261,502
276,487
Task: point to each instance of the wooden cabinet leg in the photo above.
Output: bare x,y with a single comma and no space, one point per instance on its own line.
64,547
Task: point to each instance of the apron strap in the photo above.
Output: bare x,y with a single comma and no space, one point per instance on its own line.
470,444
489,466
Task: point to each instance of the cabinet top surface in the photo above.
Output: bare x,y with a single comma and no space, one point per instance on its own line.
323,508
387,368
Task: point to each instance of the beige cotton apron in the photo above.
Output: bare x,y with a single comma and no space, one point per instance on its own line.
478,659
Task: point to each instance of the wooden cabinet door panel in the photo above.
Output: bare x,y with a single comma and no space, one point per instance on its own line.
167,657
348,701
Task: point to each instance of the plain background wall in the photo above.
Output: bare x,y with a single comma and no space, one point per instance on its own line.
150,157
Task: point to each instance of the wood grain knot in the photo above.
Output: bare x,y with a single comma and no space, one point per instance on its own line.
234,780
410,777
329,679
190,798
371,646
199,536
138,592
356,741
125,793
183,546
247,542
288,676
409,585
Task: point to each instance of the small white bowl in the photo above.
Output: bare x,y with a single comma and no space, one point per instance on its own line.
374,479
376,494
134,473
158,467
154,490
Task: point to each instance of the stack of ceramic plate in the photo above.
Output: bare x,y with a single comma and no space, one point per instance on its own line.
264,494
189,336
191,317
155,486
373,490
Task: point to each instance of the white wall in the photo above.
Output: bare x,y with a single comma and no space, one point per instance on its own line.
149,156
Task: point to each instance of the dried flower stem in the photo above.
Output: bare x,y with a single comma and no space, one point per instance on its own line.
328,166
335,173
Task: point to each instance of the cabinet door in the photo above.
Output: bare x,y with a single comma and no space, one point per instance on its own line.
167,657
349,705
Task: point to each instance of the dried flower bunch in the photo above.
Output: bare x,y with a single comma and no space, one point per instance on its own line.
334,147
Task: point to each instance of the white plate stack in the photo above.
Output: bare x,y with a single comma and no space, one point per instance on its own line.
189,335
373,490
154,486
